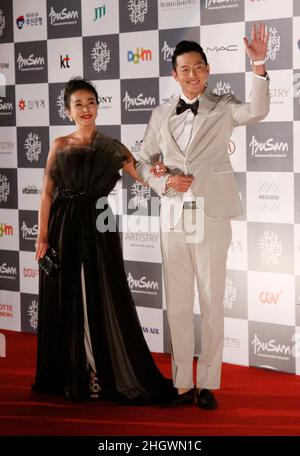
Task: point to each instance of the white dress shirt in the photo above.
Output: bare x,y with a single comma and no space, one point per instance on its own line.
181,128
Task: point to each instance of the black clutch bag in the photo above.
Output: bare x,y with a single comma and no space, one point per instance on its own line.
49,263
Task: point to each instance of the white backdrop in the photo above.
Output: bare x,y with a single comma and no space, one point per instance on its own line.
125,48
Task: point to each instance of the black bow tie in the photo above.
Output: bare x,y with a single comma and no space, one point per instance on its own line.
182,106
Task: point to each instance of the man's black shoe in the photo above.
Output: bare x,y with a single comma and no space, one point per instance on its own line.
206,400
182,399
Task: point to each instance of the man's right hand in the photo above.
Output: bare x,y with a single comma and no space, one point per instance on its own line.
180,182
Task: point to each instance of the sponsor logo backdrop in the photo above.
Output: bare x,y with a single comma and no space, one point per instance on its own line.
125,48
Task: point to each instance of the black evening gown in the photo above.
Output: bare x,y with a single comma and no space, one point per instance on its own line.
124,365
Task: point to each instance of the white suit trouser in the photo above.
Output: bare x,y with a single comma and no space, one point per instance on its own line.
182,262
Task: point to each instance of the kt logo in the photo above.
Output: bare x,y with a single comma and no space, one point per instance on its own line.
64,61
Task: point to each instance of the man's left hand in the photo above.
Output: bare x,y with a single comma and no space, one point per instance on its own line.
257,48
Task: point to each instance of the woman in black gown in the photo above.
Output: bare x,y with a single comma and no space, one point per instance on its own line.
88,324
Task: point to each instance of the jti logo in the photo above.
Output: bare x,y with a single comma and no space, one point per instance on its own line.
140,54
100,12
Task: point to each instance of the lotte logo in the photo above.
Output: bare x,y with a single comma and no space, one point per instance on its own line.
267,297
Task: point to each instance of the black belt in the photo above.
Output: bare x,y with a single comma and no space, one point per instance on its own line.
69,193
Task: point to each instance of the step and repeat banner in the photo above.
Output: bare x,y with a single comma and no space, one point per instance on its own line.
124,47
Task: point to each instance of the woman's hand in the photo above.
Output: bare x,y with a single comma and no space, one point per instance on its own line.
41,247
158,169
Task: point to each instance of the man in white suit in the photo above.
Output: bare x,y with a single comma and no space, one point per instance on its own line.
191,136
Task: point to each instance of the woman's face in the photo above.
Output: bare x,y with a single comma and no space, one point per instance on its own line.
83,108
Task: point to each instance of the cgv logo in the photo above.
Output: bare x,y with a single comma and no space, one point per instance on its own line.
140,54
267,297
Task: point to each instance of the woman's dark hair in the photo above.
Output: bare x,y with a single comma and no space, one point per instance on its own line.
75,84
183,47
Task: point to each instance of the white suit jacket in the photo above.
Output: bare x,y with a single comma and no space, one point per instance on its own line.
206,157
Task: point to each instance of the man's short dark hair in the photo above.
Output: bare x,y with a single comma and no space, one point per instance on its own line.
78,83
183,47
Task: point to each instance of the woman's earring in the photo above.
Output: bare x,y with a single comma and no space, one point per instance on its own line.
71,119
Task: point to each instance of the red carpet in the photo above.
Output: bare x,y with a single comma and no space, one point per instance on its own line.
252,402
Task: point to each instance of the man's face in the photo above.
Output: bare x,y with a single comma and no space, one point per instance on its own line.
191,73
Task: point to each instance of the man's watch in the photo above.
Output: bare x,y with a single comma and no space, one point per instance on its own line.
258,62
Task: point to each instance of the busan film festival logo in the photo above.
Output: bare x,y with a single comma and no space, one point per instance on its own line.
33,147
141,195
138,103
100,56
191,223
2,22
63,17
220,4
297,86
137,10
33,314
61,105
223,87
273,349
4,188
30,62
270,248
167,51
230,294
2,89
273,44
